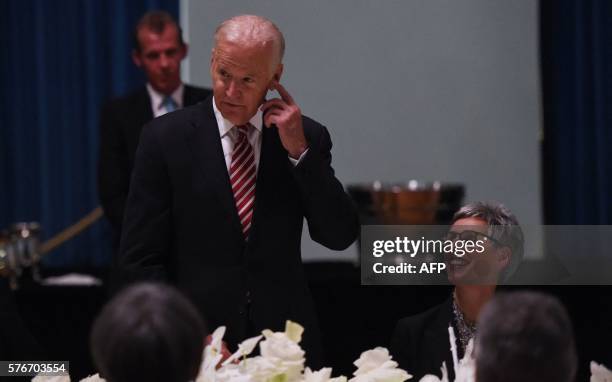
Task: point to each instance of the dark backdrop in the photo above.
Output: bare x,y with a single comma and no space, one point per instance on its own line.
59,61
576,67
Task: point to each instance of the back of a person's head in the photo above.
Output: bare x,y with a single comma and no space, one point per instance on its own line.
148,332
525,336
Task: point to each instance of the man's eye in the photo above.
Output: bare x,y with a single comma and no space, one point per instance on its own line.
224,74
248,80
152,56
171,52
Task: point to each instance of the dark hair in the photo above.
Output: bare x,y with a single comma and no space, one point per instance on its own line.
524,336
503,226
156,21
148,332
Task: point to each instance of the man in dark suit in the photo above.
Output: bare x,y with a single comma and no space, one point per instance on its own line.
158,50
220,190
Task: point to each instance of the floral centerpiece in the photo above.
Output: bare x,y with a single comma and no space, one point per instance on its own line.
281,359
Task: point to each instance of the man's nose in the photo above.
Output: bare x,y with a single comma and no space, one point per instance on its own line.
232,90
163,61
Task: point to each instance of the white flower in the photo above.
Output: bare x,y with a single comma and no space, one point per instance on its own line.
281,353
294,331
433,378
273,368
383,375
233,373
281,359
93,378
245,348
212,356
217,338
323,375
373,359
267,369
279,345
49,378
466,370
430,378
599,373
341,378
377,365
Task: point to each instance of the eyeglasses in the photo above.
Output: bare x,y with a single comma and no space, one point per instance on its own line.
471,236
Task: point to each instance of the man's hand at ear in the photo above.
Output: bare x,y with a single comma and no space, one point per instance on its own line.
286,115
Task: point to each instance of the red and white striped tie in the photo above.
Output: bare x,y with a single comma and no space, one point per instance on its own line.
242,177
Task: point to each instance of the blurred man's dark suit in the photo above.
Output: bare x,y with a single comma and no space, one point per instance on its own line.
181,223
121,122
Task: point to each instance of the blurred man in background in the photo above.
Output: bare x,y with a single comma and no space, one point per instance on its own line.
158,49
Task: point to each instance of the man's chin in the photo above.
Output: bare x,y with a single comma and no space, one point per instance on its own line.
236,117
165,87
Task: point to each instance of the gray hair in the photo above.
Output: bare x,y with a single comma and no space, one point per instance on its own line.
252,29
503,227
524,336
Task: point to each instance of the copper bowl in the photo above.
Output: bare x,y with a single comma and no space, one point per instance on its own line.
412,202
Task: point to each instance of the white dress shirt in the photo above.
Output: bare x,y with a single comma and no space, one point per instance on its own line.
229,136
157,99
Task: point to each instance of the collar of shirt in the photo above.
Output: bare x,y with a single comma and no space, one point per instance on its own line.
228,134
225,126
157,99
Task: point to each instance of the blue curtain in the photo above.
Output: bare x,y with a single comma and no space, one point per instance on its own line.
59,61
576,59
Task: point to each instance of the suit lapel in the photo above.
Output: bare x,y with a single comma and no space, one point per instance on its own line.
143,112
266,158
137,115
187,96
205,143
272,161
191,96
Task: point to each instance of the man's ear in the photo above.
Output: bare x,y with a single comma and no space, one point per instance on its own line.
504,254
276,76
136,58
185,50
212,60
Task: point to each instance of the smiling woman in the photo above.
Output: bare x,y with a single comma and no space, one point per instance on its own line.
419,342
